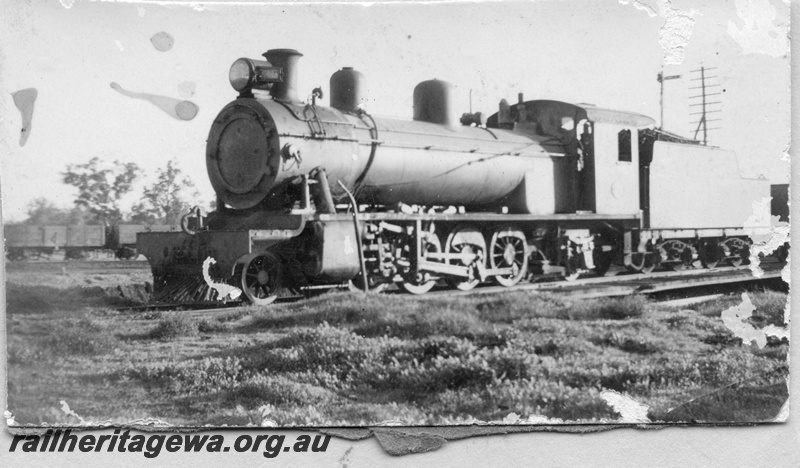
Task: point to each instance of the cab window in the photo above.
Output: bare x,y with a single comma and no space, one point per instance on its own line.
625,153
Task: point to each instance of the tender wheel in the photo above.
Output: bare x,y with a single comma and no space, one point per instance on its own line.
602,260
261,278
687,258
738,251
418,285
676,255
710,254
507,250
643,262
468,247
735,261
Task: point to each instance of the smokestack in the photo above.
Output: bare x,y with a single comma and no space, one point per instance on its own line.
287,60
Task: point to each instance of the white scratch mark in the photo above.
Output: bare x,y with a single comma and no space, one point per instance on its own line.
9,418
630,410
539,419
141,11
67,3
783,414
119,45
512,418
641,5
734,318
675,33
265,411
759,34
389,422
152,422
69,412
348,246
225,292
768,240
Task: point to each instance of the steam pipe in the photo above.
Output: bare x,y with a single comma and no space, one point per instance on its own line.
357,225
325,201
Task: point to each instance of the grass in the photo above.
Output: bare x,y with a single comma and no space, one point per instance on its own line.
346,359
81,337
175,326
770,309
76,337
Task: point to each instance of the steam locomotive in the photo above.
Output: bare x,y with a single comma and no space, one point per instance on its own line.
310,195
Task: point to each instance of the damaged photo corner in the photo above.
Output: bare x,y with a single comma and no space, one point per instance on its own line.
413,222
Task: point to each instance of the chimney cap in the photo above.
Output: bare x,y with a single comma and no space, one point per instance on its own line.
282,52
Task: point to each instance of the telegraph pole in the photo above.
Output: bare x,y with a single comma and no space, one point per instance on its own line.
661,79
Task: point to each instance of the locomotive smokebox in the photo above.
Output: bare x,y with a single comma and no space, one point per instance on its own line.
243,154
347,89
434,103
286,59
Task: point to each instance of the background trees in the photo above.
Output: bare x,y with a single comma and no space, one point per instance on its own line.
171,196
101,186
43,211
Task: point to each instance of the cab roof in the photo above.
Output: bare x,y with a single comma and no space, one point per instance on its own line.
537,109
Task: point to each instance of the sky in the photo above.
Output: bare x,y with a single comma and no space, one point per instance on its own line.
91,61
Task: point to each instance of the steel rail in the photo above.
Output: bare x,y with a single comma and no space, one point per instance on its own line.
607,286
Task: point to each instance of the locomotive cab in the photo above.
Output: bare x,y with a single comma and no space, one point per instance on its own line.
598,172
616,149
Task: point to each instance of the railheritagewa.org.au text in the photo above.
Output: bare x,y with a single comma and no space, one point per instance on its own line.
151,445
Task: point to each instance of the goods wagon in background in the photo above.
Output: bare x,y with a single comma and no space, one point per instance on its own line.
23,241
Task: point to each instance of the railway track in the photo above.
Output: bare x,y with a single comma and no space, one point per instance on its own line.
57,265
654,283
660,286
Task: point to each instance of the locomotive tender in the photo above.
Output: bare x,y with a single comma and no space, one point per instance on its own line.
310,195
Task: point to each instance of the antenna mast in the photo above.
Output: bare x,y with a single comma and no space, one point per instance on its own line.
704,104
